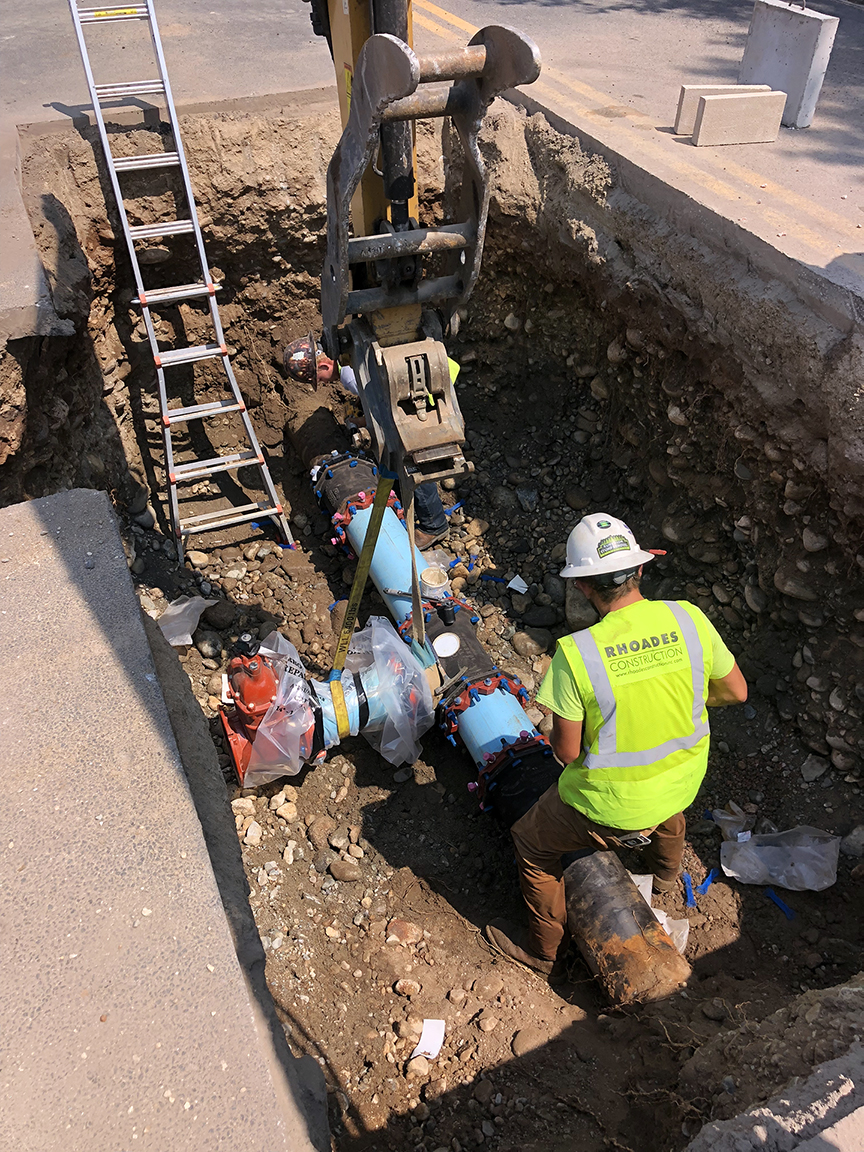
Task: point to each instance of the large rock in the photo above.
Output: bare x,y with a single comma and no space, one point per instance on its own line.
578,609
532,641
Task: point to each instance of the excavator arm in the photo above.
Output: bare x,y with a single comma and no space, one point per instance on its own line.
390,286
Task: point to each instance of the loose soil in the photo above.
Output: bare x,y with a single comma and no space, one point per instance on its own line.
579,393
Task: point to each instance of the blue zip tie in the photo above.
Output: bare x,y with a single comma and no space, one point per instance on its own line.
784,908
452,563
708,881
487,576
688,890
450,511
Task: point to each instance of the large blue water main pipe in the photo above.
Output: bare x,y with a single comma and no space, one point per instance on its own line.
490,722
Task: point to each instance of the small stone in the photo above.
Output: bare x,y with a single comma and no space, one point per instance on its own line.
528,1040
209,644
254,834
757,601
410,1028
319,830
288,854
355,851
487,1021
406,987
243,805
477,527
219,615
234,571
487,987
853,844
418,1067
403,932
715,1009
457,996
512,322
346,871
338,840
528,497
812,541
402,775
813,960
577,499
540,616
287,812
198,559
790,584
483,1092
532,641
813,767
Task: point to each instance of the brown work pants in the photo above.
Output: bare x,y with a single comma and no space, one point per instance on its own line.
550,830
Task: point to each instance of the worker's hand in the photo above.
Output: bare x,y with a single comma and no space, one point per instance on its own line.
566,739
731,689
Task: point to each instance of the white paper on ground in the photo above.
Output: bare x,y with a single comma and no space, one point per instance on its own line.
180,619
518,584
678,930
431,1039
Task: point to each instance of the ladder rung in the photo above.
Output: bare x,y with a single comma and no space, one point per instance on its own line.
198,468
189,355
136,88
153,296
166,228
211,520
106,15
202,411
152,160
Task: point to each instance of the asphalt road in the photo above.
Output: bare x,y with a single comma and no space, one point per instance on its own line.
611,67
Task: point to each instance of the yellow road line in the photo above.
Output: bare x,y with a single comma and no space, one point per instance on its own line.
821,216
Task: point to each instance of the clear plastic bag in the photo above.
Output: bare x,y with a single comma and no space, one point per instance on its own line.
802,859
677,930
283,741
733,822
406,709
180,619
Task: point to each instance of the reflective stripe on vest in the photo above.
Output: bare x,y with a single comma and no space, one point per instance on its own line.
606,755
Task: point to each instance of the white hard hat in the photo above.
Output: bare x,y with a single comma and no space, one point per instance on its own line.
601,543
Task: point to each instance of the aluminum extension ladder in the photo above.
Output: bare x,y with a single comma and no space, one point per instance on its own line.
165,297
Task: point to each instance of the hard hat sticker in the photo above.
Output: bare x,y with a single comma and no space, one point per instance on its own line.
604,524
611,544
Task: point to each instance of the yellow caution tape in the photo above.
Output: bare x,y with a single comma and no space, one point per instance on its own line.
379,504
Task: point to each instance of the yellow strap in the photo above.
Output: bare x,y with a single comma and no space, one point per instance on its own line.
379,504
340,711
418,624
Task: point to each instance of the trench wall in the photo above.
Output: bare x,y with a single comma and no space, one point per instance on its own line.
720,407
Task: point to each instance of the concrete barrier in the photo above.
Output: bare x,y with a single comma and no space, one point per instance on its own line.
126,1018
788,48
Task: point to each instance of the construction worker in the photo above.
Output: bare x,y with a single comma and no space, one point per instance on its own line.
432,524
628,697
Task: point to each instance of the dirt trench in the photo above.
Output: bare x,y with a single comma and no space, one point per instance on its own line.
606,363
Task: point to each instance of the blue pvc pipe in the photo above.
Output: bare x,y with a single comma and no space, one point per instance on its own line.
391,563
377,711
492,722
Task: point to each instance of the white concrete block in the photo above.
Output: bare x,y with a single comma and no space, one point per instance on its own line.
688,101
738,118
788,48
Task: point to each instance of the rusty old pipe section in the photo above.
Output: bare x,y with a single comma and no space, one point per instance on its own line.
627,950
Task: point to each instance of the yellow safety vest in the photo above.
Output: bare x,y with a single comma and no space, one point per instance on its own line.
643,680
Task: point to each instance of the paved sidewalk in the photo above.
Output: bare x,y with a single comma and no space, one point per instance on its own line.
126,1020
